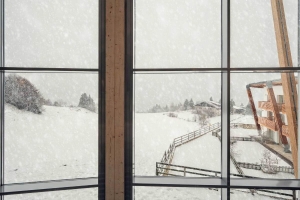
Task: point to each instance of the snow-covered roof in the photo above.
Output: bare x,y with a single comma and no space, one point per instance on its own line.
238,108
211,103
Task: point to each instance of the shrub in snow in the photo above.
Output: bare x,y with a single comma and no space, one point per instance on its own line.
87,102
269,163
60,103
19,92
172,114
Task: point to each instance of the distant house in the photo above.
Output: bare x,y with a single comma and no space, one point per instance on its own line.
208,104
239,110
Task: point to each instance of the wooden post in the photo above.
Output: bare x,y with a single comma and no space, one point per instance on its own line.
276,113
288,79
114,107
253,109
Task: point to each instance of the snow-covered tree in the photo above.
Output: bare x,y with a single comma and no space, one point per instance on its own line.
186,104
232,103
191,104
202,118
87,102
166,109
21,93
173,107
268,163
248,110
211,99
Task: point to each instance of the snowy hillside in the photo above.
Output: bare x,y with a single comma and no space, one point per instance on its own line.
60,143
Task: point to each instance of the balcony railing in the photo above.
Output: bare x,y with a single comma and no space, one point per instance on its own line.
267,123
266,105
285,130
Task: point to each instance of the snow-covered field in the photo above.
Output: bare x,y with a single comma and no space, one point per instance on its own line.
60,143
154,132
158,131
240,132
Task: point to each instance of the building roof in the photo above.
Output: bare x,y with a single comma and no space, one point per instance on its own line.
262,84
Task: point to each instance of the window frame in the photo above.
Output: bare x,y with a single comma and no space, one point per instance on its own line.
225,182
62,184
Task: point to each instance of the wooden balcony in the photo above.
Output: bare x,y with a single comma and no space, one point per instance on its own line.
266,105
285,130
263,121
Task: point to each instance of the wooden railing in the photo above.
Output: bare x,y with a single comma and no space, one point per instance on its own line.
267,123
258,167
285,130
179,170
241,139
193,135
169,154
267,105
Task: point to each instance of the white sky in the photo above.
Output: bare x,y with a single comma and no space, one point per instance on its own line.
169,34
181,33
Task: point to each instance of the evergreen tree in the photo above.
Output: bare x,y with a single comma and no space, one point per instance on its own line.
191,104
186,104
87,102
242,105
172,107
211,99
248,110
232,103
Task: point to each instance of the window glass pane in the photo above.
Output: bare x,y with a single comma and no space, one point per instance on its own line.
51,126
171,193
177,124
177,34
51,33
253,39
263,141
79,194
262,194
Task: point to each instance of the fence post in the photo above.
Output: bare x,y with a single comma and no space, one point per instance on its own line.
156,169
184,172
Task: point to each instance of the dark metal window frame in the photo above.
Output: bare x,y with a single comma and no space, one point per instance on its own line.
65,184
225,182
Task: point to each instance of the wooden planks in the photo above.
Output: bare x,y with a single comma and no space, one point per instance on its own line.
276,113
288,79
114,125
253,109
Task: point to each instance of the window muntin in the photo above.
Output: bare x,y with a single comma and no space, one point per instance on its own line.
78,194
171,193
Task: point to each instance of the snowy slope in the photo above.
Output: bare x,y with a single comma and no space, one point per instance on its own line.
60,143
154,132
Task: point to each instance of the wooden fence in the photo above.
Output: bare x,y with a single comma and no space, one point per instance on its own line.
195,134
258,167
179,170
169,154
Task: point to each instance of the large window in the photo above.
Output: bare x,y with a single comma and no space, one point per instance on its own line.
51,100
207,123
